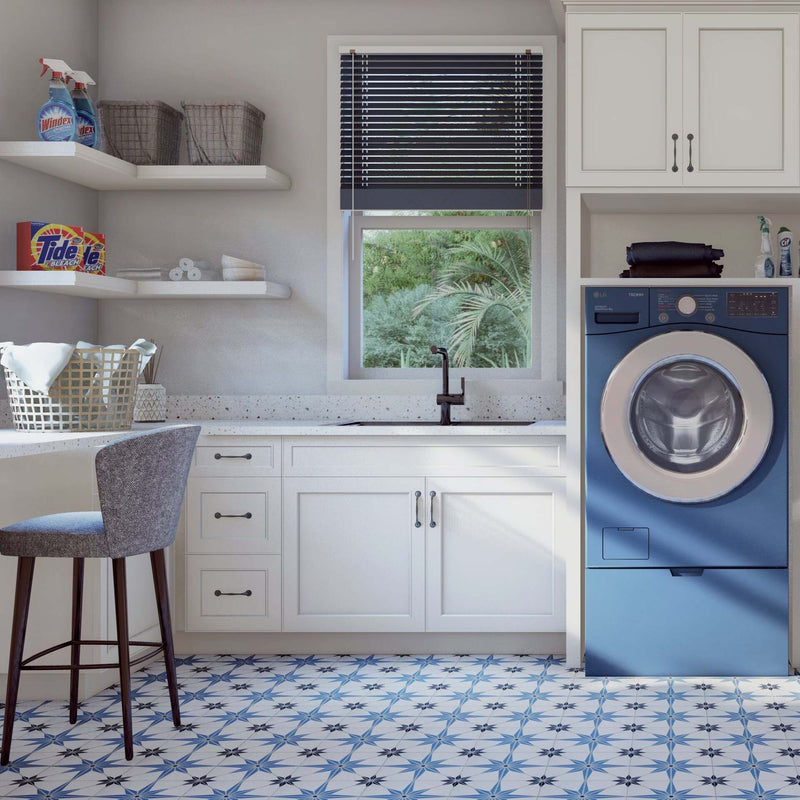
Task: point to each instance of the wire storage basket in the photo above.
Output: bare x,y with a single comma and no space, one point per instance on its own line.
96,391
147,132
223,133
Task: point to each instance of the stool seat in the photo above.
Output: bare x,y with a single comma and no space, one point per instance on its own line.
74,534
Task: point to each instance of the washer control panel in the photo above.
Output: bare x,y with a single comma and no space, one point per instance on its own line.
616,309
752,304
682,305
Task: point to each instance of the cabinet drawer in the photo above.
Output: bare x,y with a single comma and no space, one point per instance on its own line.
687,621
233,515
233,593
236,455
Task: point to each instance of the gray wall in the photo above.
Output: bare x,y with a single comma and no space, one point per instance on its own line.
65,29
271,52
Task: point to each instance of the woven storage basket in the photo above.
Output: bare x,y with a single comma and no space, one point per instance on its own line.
140,132
96,391
223,133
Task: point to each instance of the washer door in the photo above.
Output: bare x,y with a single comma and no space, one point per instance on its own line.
686,416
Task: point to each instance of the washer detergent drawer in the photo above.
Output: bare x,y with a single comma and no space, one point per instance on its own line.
687,622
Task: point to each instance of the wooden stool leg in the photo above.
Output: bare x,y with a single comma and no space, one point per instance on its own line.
162,601
123,645
19,623
75,657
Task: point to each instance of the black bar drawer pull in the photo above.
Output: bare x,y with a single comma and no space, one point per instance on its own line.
246,515
246,456
686,572
690,137
433,495
245,593
674,152
417,495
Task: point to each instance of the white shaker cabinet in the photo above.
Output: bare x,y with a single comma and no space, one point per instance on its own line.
624,99
494,557
354,558
683,99
741,99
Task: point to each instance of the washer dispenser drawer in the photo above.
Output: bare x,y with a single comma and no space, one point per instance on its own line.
687,621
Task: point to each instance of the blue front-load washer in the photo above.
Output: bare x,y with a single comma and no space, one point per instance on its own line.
686,403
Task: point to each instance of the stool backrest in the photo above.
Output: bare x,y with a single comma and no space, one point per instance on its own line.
141,481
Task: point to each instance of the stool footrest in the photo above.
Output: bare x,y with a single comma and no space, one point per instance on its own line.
27,665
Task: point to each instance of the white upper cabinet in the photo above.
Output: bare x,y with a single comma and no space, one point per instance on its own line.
740,99
623,99
683,99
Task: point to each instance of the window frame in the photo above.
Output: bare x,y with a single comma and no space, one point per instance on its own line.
344,372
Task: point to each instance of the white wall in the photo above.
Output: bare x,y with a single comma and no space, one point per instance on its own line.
32,29
272,53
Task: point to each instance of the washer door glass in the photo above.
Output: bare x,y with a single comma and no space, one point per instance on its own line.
686,415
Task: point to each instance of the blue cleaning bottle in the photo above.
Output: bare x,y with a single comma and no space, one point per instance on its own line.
57,119
84,108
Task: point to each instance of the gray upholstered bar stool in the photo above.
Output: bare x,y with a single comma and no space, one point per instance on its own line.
141,481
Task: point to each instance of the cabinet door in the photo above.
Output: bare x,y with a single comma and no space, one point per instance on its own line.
354,559
494,554
624,100
741,99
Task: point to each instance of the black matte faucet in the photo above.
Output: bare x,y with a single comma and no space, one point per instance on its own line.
445,400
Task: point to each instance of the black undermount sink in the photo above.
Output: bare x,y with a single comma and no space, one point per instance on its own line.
413,423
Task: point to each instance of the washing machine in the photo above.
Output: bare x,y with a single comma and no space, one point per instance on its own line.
686,481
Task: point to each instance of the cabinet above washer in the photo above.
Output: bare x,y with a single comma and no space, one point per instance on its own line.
683,99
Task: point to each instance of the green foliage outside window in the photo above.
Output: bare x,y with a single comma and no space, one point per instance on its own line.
467,289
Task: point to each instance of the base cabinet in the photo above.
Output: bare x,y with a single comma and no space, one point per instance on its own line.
465,536
354,559
494,561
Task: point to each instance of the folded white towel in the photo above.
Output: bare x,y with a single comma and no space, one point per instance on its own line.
37,365
140,274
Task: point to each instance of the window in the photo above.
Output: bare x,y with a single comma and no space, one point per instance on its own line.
456,133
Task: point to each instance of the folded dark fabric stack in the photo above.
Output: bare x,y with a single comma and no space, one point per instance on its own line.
672,260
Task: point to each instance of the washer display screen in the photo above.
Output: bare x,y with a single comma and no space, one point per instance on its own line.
752,304
686,415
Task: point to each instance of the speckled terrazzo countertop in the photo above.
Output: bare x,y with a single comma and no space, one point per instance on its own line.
21,443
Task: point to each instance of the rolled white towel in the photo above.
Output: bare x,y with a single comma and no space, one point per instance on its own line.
185,264
176,273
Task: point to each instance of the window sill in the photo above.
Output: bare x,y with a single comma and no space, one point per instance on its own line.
480,387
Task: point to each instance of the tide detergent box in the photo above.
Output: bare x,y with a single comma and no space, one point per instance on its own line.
94,253
49,246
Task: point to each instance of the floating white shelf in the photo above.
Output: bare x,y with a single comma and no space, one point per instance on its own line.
88,167
197,290
104,287
723,281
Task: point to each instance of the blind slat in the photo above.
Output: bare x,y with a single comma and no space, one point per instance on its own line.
441,131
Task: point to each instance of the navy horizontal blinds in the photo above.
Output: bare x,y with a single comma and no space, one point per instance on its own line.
447,131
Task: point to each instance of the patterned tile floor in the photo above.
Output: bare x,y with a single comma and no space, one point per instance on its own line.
413,728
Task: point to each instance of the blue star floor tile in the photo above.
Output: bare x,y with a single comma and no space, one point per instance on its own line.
415,728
